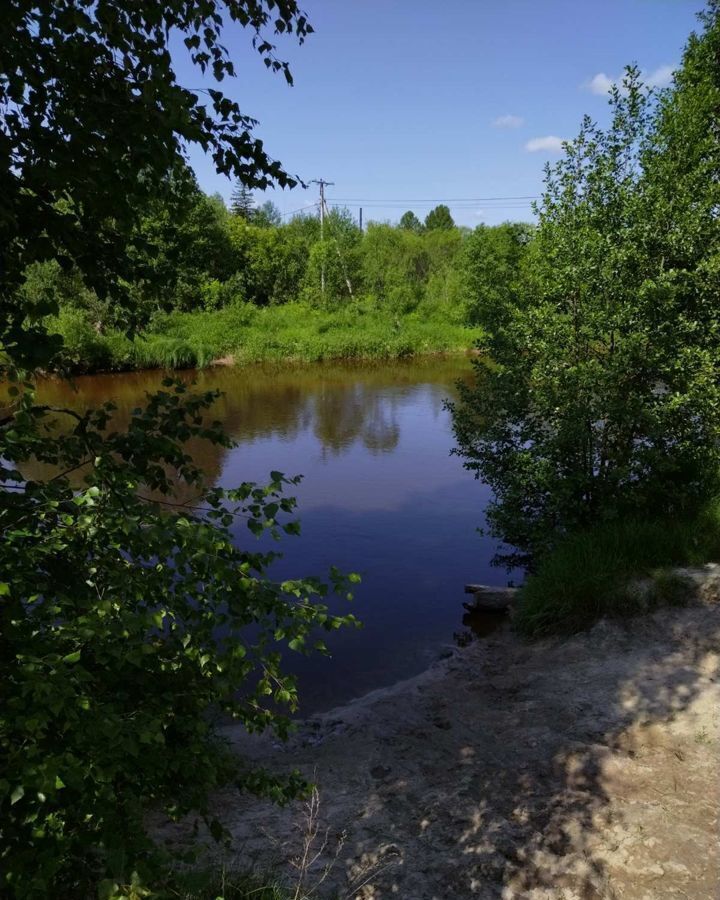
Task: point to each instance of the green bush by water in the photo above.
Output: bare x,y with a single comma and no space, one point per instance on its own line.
589,573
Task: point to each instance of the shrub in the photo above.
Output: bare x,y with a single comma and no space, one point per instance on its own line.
589,574
83,347
131,621
602,399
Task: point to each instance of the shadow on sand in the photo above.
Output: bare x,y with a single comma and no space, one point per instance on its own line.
584,768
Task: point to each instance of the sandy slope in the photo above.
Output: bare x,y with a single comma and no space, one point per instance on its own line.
569,769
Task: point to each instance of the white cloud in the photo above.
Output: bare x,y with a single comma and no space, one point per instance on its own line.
601,83
661,77
550,144
508,121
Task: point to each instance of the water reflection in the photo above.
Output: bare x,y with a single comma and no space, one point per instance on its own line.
381,495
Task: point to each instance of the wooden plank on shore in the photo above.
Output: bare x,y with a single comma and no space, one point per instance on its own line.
490,598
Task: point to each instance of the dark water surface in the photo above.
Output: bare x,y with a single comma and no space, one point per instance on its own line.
381,496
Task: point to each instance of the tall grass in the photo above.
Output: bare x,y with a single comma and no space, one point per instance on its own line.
294,332
590,574
223,885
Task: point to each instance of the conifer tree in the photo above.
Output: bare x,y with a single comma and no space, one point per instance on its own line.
241,202
410,222
439,218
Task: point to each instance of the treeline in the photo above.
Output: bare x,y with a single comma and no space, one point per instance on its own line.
224,274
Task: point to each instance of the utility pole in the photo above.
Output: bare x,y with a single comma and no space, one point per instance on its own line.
361,218
323,184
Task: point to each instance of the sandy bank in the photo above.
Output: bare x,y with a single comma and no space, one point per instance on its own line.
580,768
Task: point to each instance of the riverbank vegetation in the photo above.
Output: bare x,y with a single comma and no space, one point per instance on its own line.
241,283
599,416
619,569
243,333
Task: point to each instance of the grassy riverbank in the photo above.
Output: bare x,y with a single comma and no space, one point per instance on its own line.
249,334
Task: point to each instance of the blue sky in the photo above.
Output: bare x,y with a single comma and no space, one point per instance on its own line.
403,101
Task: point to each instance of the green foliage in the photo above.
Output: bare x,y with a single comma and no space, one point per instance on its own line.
603,394
412,293
94,117
324,282
491,267
439,218
395,266
84,347
241,202
186,245
304,228
133,615
190,244
47,285
356,331
443,249
206,259
590,574
291,332
410,222
403,270
270,262
332,274
267,215
125,616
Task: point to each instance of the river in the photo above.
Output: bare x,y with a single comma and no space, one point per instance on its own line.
381,495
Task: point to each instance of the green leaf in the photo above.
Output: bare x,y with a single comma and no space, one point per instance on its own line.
108,889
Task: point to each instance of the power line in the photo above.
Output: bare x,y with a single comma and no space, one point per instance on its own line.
427,200
294,212
460,203
463,205
455,206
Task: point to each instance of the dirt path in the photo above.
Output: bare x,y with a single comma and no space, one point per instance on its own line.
585,768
